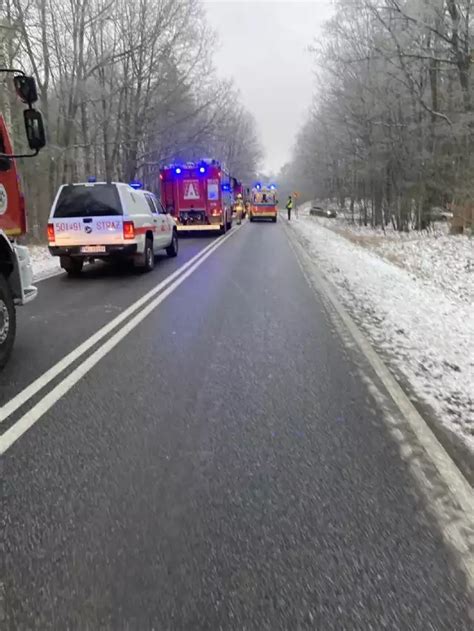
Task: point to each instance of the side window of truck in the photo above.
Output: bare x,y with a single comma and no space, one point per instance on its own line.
161,208
151,204
158,206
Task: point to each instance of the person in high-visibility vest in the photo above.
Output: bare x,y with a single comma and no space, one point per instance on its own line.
289,206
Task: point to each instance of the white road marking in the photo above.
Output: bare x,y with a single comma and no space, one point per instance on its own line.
456,526
58,272
22,397
17,430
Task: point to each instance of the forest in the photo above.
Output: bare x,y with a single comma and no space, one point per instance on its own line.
125,86
390,133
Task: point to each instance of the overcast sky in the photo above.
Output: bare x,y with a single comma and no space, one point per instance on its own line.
263,47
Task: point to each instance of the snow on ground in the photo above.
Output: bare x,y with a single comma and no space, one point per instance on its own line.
414,298
43,263
445,261
305,208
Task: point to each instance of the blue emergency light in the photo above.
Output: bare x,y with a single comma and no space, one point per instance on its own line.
92,179
258,186
177,170
136,184
202,169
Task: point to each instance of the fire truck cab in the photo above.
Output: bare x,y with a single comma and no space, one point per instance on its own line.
197,195
16,274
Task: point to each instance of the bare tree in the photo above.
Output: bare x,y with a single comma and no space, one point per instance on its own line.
125,85
392,128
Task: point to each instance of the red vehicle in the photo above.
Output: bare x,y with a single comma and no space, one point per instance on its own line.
16,275
198,195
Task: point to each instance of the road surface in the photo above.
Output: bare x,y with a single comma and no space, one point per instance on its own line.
223,466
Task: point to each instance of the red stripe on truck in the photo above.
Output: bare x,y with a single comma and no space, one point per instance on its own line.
145,229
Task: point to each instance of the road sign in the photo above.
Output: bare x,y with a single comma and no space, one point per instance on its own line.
191,189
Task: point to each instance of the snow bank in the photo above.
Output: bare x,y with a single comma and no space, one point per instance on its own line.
305,208
43,263
446,263
416,308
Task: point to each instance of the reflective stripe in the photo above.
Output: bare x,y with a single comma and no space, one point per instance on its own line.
196,228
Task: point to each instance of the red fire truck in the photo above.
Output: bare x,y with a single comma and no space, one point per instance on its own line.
198,195
16,276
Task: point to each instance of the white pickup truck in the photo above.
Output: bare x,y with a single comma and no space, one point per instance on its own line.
102,220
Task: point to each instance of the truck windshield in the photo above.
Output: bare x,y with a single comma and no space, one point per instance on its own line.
88,201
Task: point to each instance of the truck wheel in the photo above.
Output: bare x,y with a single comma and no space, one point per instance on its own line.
172,249
274,219
149,256
223,229
7,322
72,266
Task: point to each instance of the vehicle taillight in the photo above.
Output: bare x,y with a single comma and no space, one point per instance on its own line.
51,235
215,212
128,230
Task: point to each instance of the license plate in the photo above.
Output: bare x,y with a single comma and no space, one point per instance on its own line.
93,249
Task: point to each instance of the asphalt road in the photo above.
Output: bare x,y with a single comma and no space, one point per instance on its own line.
68,311
223,467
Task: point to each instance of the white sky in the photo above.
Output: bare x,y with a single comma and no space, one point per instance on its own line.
263,47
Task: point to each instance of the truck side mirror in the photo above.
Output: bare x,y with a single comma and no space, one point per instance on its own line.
34,129
26,89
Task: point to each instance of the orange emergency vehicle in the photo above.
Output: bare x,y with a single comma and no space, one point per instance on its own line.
263,203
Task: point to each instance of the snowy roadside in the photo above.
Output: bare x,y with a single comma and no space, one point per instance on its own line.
416,307
43,263
447,262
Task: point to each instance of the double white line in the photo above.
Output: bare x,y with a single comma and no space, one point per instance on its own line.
172,282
